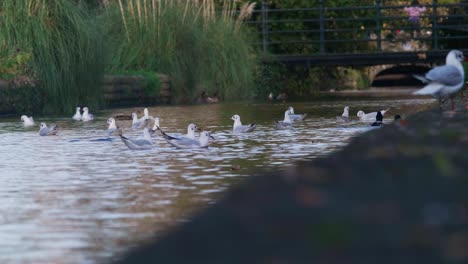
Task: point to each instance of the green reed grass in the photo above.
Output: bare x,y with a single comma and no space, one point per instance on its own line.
67,57
200,47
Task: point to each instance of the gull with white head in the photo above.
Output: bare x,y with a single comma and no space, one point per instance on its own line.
295,117
370,116
27,121
188,143
86,115
286,123
239,128
445,81
138,123
77,115
145,116
191,129
112,125
46,131
345,116
138,144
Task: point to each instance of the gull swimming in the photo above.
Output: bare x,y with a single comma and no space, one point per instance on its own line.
27,121
138,123
188,143
138,144
46,131
345,116
112,125
77,115
286,123
145,115
239,128
369,116
86,115
191,129
296,117
446,80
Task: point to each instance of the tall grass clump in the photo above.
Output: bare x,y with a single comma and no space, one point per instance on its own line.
201,45
65,47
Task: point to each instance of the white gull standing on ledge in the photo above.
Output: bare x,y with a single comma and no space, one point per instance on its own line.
446,80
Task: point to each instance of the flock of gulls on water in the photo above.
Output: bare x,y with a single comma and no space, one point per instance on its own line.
443,82
189,140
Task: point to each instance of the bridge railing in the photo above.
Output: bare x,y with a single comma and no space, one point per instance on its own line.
377,28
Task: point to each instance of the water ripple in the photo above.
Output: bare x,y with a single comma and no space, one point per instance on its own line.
81,198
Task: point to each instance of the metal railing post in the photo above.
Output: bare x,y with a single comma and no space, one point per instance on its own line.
435,28
265,25
378,26
322,26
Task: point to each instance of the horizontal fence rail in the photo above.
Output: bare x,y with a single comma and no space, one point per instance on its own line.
372,29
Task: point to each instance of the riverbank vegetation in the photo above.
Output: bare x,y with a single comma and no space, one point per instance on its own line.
63,48
54,45
201,47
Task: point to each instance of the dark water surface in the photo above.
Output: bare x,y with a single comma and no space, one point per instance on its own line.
69,199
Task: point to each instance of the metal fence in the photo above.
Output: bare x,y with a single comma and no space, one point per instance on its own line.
375,28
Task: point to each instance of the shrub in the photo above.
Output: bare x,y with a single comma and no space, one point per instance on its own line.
64,46
202,47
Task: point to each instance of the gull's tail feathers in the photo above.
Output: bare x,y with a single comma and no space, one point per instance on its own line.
431,88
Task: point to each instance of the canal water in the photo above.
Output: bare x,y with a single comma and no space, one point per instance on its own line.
76,198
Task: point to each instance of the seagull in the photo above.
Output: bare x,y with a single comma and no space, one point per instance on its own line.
239,128
86,115
45,131
145,115
112,125
77,115
444,81
369,116
345,116
378,120
138,123
286,123
27,121
188,143
138,144
155,125
295,117
191,129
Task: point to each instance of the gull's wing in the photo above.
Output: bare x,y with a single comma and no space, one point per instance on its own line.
447,75
43,131
282,125
297,117
136,144
184,142
342,119
245,128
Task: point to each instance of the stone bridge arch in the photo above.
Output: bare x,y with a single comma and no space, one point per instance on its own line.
397,75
